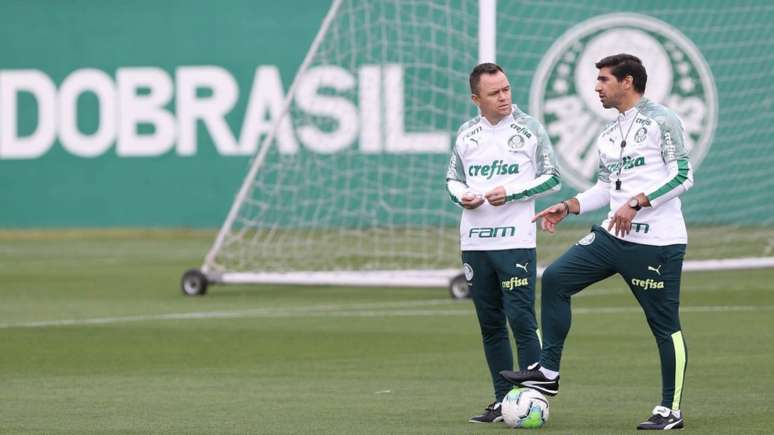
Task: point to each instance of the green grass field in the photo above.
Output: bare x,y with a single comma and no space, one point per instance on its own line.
96,338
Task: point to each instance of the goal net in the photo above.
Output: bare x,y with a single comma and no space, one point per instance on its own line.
349,187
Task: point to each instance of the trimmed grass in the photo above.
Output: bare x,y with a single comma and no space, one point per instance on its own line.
290,360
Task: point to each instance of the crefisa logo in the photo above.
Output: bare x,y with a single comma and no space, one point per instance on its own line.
563,97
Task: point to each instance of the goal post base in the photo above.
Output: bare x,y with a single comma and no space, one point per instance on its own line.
728,264
381,278
438,278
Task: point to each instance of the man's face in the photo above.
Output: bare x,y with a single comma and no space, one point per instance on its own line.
494,96
608,87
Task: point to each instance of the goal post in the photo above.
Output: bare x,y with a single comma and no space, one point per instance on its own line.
348,187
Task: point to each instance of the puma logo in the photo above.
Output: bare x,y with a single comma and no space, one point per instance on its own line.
656,269
523,266
474,140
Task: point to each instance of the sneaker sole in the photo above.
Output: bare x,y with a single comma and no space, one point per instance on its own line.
496,420
537,386
672,426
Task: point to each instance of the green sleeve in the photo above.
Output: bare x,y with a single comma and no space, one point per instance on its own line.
672,138
675,156
545,159
546,171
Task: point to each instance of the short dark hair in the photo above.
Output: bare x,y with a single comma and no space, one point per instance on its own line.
622,65
478,71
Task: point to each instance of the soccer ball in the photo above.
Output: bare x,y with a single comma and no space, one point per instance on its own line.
525,407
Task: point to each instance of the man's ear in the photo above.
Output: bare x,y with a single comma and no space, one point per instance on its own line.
475,99
628,82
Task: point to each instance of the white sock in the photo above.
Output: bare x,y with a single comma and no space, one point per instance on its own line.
550,374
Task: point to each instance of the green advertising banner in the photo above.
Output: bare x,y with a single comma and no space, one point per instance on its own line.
135,113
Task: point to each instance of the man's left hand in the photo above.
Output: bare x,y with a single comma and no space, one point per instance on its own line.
496,196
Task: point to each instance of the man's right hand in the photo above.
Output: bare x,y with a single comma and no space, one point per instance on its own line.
552,216
471,201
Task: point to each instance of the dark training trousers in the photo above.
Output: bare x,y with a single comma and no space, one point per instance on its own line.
502,284
653,275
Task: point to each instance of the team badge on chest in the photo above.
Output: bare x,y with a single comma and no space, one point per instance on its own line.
641,134
515,143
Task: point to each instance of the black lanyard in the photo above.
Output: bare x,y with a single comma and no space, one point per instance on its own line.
623,145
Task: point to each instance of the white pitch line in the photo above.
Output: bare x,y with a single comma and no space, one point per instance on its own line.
399,309
233,314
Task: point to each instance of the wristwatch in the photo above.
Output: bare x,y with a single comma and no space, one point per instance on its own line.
635,204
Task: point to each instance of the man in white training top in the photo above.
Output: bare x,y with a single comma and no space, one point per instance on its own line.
502,160
643,168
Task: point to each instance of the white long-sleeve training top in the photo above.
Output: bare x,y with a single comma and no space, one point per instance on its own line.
654,162
516,154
